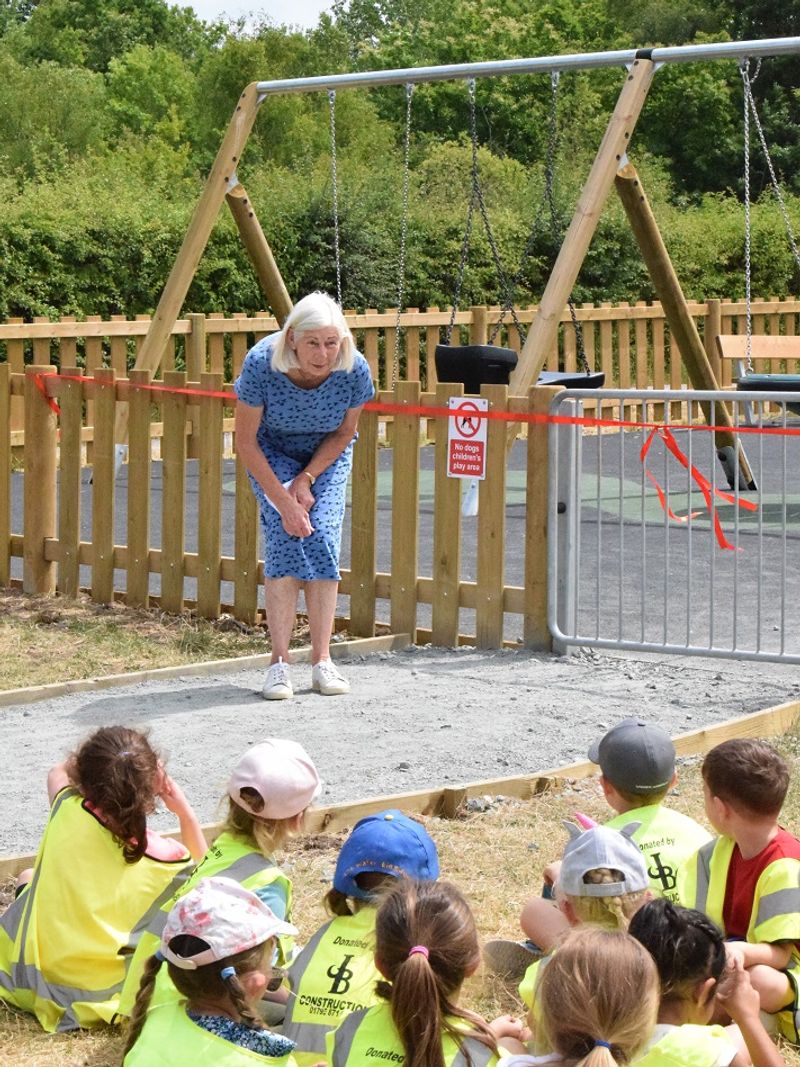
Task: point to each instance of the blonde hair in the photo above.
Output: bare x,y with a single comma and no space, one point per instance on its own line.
600,986
612,912
313,312
267,835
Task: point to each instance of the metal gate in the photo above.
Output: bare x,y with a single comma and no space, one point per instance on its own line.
650,549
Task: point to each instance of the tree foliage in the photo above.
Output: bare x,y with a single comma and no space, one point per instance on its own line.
112,111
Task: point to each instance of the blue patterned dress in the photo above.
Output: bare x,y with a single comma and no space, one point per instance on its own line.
294,423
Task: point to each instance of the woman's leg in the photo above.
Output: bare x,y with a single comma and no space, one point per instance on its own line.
280,596
321,606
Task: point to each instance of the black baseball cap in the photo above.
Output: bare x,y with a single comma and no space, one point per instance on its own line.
636,756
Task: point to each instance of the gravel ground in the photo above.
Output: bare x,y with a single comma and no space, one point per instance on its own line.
415,719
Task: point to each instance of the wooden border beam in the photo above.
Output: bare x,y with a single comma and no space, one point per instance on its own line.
445,801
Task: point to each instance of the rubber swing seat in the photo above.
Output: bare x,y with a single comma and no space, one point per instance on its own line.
772,383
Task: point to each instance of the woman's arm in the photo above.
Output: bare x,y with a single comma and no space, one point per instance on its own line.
329,449
293,514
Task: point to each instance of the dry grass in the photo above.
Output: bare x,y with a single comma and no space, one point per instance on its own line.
496,857
50,639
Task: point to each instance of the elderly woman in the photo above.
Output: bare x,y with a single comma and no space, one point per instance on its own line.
300,394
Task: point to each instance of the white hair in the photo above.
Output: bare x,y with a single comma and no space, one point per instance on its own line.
313,312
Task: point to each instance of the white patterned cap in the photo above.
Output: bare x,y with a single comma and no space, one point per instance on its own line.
224,915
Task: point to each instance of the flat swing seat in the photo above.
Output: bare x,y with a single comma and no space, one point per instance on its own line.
574,379
477,365
771,383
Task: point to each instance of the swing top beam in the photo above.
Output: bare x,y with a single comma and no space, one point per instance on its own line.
691,53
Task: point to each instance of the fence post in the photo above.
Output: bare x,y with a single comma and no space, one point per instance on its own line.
536,632
39,493
195,366
479,327
711,330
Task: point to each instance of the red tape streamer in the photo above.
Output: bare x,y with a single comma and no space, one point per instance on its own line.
51,403
707,489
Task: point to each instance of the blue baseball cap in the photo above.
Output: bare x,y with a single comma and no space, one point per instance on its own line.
386,843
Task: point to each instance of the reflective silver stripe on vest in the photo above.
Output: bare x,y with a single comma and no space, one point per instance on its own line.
344,1037
781,902
26,976
703,876
23,905
473,1054
309,1037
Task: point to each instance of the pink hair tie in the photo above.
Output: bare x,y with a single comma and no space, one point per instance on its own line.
419,950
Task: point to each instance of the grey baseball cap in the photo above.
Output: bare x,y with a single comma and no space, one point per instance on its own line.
602,847
636,756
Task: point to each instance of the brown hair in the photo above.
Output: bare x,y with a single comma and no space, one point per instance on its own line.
601,985
612,912
205,981
115,770
639,800
747,773
422,989
267,835
373,882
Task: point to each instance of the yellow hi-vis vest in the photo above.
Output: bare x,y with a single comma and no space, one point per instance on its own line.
169,1038
369,1038
333,975
231,856
528,992
668,840
64,940
687,1046
776,908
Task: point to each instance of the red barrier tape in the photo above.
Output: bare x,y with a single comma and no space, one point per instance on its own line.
657,429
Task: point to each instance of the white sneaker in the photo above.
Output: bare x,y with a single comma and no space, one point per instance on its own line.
326,679
277,684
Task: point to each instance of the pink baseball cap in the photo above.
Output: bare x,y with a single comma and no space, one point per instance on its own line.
226,917
282,773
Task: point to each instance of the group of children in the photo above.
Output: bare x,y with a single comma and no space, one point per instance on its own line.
652,944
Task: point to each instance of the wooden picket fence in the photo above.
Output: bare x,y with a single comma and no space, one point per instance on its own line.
54,551
85,368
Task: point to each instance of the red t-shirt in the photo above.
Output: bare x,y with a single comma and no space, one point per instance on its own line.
743,876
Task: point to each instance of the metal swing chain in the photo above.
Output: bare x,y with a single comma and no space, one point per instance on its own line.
555,222
748,277
335,192
552,146
401,267
476,198
751,108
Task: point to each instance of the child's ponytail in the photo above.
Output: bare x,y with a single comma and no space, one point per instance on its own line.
688,948
142,1003
426,945
599,995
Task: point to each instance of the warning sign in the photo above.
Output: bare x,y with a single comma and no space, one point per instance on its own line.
466,438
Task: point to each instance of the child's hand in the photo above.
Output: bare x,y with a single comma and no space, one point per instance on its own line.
173,796
735,952
551,872
736,993
509,1026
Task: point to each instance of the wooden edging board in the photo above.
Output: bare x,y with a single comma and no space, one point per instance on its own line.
446,801
339,649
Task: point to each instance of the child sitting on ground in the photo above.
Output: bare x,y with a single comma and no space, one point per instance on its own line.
335,972
637,763
689,953
747,880
426,945
218,940
64,940
268,793
599,1000
603,881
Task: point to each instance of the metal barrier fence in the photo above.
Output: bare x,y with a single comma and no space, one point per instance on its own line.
649,549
